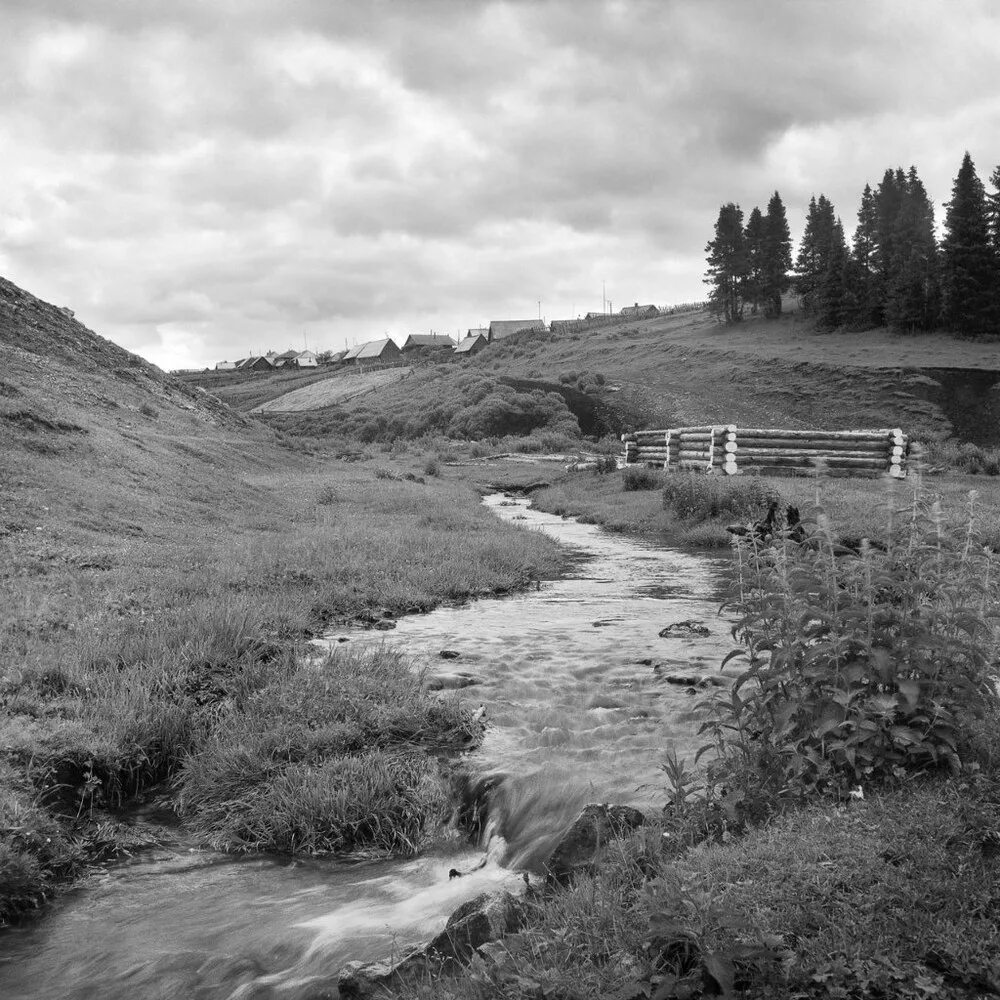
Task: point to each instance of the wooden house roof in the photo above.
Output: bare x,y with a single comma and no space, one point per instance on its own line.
428,340
500,328
469,343
376,348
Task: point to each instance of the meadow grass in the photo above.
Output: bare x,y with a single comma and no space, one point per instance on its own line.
175,658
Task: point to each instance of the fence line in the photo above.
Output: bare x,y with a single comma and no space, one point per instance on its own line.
732,451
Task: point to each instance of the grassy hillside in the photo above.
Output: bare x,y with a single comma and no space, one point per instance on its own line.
687,369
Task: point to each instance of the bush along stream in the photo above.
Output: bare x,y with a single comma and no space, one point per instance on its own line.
542,702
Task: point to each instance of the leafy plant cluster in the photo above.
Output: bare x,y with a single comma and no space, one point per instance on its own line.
895,273
863,665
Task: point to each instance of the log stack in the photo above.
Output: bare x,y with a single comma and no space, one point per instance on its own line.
769,450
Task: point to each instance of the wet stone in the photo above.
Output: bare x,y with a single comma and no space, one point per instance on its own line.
685,629
580,848
695,681
480,920
452,682
449,654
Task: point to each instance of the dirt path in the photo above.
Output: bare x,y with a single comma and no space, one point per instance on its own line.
336,389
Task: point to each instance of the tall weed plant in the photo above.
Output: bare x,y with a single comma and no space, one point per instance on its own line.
863,665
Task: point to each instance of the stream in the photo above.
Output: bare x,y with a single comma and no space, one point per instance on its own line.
572,679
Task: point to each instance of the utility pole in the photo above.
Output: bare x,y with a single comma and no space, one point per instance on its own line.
539,310
604,298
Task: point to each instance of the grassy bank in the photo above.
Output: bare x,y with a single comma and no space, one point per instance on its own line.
171,657
693,510
842,841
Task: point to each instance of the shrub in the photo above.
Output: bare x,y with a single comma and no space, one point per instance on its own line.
965,457
702,497
862,666
149,411
636,478
431,467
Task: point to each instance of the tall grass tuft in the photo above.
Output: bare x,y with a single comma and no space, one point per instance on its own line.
324,758
701,498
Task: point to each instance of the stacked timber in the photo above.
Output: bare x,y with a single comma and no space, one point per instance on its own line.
731,450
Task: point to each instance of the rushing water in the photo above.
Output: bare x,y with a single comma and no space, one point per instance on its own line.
573,681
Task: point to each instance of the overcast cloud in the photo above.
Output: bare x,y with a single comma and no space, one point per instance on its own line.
201,179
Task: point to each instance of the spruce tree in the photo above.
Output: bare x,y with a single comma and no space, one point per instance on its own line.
912,290
888,200
755,259
993,210
832,307
777,256
727,265
969,258
866,309
814,252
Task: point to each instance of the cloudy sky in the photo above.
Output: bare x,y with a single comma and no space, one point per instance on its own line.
203,178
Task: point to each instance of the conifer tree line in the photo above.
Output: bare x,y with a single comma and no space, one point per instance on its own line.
895,273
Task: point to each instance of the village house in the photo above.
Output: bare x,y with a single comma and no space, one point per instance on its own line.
639,312
225,366
252,364
479,331
424,342
471,345
292,359
500,328
374,351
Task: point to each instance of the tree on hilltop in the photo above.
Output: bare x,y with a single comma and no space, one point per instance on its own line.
970,270
888,201
864,245
993,210
912,292
754,236
776,256
813,260
728,265
837,291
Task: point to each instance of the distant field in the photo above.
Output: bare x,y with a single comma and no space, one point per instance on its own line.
333,389
245,390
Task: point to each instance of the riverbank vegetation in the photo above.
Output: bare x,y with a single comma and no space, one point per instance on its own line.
839,838
694,510
174,660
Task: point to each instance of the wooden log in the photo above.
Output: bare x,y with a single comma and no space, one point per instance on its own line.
810,453
828,444
776,432
794,460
